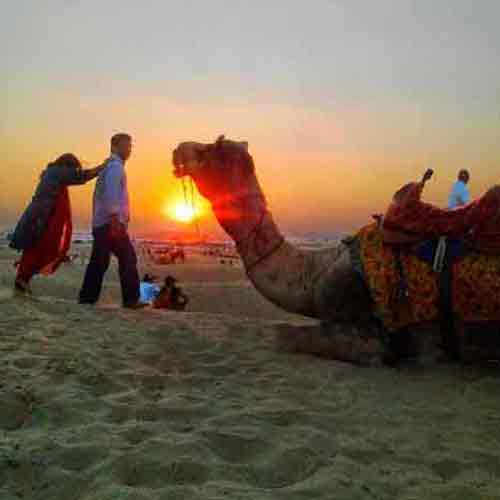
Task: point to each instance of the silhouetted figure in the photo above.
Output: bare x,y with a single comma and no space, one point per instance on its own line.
460,195
171,296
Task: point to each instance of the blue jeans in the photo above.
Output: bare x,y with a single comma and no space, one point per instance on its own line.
104,245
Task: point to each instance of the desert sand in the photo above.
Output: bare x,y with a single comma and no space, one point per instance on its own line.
102,403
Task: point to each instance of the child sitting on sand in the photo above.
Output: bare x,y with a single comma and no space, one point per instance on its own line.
148,289
171,296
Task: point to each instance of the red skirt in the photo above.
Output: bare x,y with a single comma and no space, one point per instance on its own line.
51,249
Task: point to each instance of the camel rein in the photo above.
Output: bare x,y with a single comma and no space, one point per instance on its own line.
245,242
191,203
256,232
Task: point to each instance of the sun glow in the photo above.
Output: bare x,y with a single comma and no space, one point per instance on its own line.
182,212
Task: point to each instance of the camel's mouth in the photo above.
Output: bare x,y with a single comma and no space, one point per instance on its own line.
186,169
179,171
186,158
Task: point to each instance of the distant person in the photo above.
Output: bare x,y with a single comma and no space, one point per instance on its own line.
111,215
171,296
459,195
44,230
148,289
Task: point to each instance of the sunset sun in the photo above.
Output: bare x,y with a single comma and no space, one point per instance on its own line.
182,212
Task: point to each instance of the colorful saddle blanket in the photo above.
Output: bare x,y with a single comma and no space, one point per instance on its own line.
409,219
475,285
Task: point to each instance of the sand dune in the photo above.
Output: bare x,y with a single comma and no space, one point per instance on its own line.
101,403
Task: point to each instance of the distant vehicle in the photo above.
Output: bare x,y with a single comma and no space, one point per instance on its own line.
168,256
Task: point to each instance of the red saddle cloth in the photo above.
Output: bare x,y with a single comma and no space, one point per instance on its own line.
409,219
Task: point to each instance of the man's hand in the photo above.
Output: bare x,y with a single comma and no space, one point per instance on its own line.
117,229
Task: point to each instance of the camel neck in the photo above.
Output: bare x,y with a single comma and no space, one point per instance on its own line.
249,223
260,242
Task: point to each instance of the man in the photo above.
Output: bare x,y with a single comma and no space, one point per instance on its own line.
459,195
109,228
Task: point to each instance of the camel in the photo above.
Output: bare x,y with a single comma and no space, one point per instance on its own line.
322,284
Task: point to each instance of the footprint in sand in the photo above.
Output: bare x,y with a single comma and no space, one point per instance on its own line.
139,470
98,383
223,368
120,413
137,435
234,448
285,468
79,458
15,410
27,362
451,468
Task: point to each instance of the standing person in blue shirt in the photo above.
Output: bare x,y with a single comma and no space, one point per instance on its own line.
460,192
111,215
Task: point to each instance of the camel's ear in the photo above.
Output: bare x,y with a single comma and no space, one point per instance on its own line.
241,144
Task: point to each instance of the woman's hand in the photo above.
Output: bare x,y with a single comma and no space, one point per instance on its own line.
103,165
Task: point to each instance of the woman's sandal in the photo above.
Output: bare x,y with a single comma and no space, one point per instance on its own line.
21,288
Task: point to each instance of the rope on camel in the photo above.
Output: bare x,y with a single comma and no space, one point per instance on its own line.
191,203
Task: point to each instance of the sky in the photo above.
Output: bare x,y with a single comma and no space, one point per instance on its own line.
341,101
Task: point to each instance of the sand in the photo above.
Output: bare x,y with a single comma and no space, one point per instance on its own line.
101,403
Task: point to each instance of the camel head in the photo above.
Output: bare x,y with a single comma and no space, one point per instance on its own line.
223,171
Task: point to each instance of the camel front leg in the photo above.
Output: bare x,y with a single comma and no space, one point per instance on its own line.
342,342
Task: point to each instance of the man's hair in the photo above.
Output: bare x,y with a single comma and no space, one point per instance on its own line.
464,173
117,138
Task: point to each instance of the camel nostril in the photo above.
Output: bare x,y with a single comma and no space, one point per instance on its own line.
180,170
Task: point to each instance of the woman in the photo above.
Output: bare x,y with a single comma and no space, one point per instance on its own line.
44,230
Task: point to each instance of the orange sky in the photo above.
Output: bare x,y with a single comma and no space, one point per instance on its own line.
320,171
340,105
